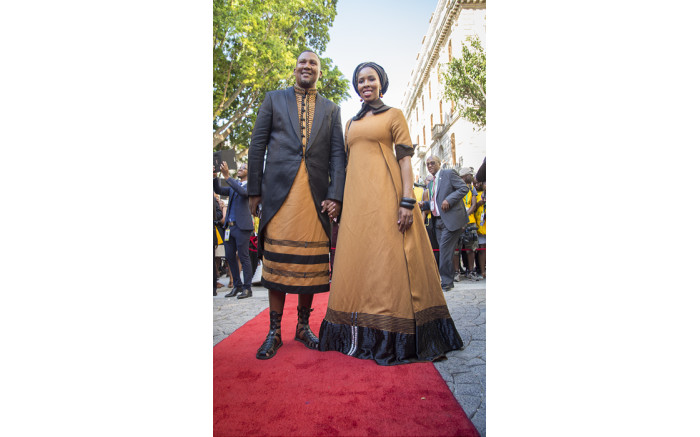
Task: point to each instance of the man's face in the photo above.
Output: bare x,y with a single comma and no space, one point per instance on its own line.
308,70
242,171
433,165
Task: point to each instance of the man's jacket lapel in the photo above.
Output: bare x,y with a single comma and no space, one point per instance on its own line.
293,111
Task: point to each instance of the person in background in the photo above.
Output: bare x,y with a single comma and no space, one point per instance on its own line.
480,217
428,219
447,208
470,247
239,226
217,219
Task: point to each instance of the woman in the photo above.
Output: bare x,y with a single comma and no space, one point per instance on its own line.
385,301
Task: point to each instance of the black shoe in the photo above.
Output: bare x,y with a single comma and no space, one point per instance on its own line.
234,292
245,293
273,341
215,292
448,287
304,333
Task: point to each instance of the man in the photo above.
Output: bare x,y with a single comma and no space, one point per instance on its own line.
217,217
449,214
238,227
300,188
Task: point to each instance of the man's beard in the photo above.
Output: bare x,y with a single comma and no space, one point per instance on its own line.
306,83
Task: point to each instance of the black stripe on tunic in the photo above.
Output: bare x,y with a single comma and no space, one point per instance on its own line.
295,289
296,259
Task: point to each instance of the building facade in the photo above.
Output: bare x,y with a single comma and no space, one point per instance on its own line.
433,121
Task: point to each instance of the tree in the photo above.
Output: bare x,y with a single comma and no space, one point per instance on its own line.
256,44
465,82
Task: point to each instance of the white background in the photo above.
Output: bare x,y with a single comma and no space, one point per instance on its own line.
106,320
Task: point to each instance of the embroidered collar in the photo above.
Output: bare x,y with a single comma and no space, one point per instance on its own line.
300,90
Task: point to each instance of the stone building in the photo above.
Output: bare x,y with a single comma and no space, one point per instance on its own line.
433,121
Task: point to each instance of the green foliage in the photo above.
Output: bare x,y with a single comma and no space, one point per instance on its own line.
465,82
255,46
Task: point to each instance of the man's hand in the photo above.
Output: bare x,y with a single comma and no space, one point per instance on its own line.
332,207
445,205
253,202
224,170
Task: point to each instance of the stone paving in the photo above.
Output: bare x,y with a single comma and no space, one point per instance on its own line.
464,371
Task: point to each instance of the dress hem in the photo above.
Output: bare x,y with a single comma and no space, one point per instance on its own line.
431,342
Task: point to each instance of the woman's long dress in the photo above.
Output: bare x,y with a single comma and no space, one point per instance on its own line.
386,303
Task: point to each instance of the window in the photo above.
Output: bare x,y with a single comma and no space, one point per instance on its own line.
440,111
422,102
424,143
454,152
431,122
449,51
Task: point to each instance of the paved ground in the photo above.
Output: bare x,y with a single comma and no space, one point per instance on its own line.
464,371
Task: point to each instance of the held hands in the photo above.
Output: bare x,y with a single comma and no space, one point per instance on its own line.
332,207
253,203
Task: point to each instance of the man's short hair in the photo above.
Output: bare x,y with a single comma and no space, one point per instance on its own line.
309,51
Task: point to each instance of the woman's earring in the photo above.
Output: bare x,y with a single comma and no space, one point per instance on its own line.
381,95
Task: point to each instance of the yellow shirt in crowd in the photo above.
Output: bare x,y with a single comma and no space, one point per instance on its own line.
480,217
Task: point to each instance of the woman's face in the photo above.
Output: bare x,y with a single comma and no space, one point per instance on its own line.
368,84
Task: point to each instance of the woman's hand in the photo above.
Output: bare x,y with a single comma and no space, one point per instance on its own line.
405,219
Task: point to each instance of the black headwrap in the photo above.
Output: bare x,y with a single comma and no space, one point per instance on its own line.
383,78
377,106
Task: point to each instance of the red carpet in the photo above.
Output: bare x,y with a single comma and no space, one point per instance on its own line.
301,392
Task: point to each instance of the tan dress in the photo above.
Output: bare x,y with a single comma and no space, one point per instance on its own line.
296,253
386,302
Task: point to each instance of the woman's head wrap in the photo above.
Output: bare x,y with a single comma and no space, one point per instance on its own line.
383,78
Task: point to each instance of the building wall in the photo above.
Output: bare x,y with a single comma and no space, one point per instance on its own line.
424,103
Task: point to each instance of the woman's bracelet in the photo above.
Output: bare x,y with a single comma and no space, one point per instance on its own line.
407,202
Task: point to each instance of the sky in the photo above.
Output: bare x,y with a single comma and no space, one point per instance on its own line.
388,32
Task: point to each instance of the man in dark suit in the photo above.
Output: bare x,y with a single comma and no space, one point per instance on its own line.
296,165
449,214
218,215
239,226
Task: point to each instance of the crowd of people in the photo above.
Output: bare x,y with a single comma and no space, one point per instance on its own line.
470,249
386,304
